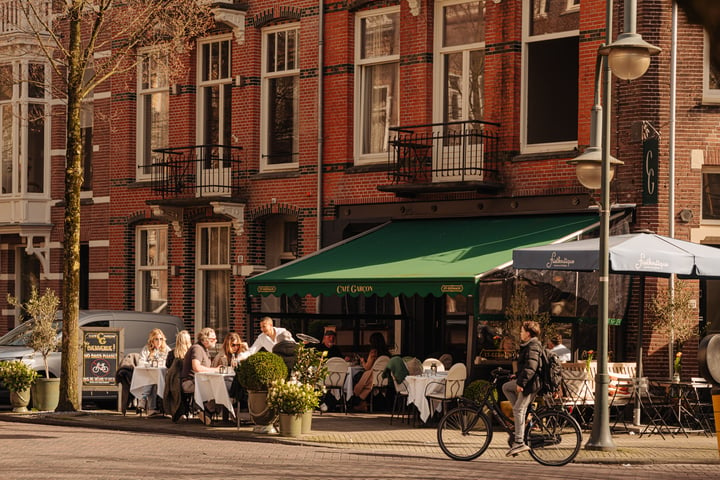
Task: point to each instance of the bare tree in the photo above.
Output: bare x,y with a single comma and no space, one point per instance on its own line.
86,42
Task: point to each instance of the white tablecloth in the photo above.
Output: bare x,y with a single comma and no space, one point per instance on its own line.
417,386
352,371
212,386
144,376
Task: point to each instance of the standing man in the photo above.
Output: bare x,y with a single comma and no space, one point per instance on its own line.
267,339
556,346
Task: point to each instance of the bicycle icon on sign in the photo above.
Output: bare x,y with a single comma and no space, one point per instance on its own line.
99,368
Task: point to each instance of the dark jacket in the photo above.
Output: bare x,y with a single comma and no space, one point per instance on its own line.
528,363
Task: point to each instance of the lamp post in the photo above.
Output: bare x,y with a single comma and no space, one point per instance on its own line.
628,58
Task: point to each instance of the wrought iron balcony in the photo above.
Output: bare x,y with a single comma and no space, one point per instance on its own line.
198,171
452,156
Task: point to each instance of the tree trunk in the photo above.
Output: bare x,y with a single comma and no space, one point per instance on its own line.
69,380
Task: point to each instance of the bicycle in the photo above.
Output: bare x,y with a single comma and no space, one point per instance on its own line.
465,432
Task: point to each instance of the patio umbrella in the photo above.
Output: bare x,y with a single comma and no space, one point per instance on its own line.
644,254
634,253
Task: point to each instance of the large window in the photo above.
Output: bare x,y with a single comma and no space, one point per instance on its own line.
280,77
378,70
461,30
711,194
711,75
153,110
550,76
23,128
215,95
152,269
213,273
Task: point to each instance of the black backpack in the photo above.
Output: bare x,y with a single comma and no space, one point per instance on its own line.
550,372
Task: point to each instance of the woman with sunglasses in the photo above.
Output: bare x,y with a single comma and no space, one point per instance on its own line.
154,353
229,354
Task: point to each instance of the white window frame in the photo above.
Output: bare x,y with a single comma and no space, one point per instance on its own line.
201,268
20,104
710,95
141,268
438,69
265,98
526,39
360,68
715,170
220,82
143,173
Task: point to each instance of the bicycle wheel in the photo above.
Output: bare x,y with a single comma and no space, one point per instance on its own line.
464,433
554,438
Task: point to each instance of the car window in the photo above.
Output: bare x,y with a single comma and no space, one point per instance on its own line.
18,337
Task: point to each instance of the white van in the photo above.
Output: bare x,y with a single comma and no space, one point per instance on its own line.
136,328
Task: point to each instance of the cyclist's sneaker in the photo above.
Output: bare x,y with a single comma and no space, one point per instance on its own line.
516,449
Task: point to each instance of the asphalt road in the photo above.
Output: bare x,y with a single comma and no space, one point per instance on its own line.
32,451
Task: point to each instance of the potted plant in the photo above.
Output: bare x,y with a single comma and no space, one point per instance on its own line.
311,370
676,318
43,339
18,377
257,374
291,399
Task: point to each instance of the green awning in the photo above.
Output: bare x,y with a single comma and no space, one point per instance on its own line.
417,257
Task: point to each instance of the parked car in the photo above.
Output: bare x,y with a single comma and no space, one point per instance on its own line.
136,327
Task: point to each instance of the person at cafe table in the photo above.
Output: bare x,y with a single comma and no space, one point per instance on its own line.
154,353
363,386
198,360
231,351
328,345
267,339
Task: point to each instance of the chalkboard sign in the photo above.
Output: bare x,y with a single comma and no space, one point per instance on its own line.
101,350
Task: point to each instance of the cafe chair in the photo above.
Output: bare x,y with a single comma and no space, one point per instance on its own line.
654,406
414,366
621,391
449,390
123,377
428,363
379,380
700,401
335,380
400,406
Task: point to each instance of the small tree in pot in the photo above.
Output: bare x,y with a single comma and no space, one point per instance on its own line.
257,374
43,339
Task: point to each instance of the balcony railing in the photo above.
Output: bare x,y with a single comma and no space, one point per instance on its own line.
197,171
13,19
452,152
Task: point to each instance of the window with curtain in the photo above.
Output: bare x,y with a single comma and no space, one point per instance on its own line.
378,75
152,269
214,277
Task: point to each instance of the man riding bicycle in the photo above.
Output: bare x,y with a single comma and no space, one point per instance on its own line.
521,390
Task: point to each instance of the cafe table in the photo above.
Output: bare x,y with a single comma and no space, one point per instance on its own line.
213,386
147,375
419,386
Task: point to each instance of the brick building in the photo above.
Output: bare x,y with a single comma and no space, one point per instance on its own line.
296,128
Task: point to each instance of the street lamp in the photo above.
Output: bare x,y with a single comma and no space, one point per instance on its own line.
629,58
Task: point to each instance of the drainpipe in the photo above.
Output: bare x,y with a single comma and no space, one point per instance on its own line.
671,164
320,141
320,144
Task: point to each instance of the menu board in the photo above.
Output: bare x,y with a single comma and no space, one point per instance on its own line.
101,349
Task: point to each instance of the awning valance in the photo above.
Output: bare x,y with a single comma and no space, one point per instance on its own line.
417,257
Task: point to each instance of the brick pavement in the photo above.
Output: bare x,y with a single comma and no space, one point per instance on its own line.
373,434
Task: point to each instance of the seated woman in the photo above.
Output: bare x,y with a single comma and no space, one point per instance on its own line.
229,355
363,386
155,351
